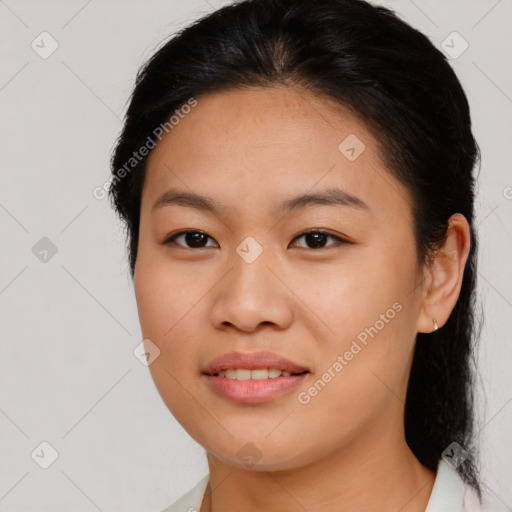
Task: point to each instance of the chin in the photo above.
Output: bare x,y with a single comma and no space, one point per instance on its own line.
257,456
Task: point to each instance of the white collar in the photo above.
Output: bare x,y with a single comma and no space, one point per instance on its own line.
448,492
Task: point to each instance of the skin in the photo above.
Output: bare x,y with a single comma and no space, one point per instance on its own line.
249,150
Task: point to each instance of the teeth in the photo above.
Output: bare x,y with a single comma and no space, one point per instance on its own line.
230,374
242,374
258,374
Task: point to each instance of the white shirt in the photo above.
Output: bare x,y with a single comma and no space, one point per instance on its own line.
449,494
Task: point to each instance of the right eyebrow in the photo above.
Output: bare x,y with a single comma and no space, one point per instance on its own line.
190,199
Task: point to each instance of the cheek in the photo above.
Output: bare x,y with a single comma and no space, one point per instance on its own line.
367,315
170,303
165,293
165,303
346,296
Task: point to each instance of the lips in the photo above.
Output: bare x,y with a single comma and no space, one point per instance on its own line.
228,377
252,361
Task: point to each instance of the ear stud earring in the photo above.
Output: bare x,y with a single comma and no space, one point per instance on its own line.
435,324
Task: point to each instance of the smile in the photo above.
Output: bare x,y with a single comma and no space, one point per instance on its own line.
257,389
256,374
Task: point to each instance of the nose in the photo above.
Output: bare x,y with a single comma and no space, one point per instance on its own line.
250,295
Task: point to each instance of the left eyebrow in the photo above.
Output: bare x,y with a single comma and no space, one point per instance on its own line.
328,197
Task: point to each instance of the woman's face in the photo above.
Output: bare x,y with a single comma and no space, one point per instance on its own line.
247,279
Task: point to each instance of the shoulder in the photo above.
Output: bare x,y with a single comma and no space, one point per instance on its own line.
450,493
190,501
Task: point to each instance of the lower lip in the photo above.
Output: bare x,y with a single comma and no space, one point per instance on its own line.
253,391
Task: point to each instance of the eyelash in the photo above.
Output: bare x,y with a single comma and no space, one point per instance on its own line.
339,240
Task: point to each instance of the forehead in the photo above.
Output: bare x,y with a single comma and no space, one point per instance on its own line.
257,146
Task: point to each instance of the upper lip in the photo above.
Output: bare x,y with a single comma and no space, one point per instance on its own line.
252,361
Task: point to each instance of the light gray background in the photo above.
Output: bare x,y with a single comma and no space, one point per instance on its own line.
69,325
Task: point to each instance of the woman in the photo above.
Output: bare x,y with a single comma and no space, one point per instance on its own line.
296,181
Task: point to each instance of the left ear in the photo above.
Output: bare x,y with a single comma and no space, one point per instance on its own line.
443,276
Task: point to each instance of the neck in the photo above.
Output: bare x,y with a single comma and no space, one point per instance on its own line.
378,472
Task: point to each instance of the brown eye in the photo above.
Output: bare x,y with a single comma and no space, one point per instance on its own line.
194,239
317,239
